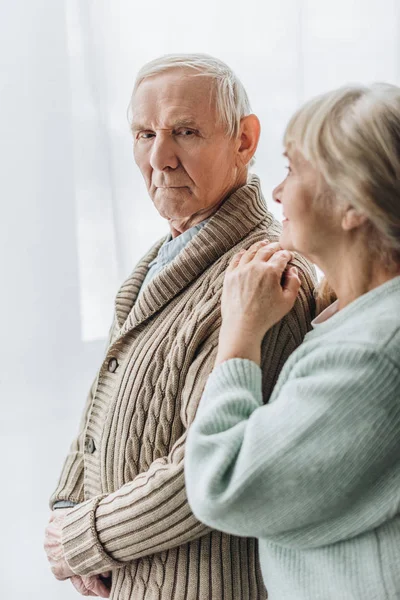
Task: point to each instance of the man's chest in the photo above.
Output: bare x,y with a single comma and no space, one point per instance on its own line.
138,405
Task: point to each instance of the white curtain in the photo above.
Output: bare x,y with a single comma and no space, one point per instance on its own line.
75,215
283,51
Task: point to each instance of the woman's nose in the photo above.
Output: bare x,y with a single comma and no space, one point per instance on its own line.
277,193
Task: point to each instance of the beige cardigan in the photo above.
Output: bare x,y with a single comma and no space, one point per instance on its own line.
125,468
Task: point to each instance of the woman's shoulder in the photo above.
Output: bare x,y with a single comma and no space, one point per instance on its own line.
372,321
341,362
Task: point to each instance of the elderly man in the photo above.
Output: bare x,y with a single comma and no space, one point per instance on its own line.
121,525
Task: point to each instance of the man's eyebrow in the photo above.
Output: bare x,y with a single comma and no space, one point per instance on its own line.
138,126
185,123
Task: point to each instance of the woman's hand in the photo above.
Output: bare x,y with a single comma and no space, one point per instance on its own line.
257,293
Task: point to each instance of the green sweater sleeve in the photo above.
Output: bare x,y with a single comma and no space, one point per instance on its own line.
319,464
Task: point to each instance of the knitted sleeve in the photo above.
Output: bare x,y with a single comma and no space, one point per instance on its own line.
319,464
147,515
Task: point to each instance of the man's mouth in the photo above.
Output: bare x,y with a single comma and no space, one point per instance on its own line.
170,187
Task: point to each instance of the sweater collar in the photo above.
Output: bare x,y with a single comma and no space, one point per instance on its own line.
241,212
357,307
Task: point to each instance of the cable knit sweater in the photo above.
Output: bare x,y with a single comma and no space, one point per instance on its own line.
125,468
315,473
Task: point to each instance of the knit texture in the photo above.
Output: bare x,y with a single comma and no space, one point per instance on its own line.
125,468
315,473
170,250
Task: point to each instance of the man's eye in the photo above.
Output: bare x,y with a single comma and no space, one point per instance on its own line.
145,135
186,132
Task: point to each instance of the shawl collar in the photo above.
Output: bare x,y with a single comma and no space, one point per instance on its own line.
235,219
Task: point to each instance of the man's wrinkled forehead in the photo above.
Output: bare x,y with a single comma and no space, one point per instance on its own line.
175,95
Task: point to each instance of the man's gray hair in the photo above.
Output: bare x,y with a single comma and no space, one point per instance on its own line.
232,102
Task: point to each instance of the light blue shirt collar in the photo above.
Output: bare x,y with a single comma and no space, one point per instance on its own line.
172,246
169,251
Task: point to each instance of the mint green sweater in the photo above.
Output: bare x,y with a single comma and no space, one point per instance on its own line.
315,473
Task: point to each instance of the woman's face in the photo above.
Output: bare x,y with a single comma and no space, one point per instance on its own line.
310,225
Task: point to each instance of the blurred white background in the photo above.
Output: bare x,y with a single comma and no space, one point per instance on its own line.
75,216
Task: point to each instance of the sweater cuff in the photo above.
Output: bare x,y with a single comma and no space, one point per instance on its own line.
64,504
233,374
82,549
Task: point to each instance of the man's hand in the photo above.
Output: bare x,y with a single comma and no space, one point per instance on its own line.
91,585
87,585
53,546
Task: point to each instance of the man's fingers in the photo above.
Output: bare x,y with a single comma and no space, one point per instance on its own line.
51,541
80,587
96,585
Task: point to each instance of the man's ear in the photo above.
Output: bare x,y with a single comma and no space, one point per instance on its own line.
352,219
249,134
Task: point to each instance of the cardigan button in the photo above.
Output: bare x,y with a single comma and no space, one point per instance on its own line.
112,365
89,445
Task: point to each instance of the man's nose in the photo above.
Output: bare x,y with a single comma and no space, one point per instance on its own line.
163,154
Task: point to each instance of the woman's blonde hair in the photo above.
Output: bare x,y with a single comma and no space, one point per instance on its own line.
351,136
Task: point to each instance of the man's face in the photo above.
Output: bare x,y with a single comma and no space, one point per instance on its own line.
184,154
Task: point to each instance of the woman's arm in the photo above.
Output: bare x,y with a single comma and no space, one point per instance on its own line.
317,465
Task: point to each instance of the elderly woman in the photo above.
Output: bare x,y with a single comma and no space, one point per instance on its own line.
315,473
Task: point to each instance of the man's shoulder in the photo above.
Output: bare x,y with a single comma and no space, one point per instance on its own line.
270,230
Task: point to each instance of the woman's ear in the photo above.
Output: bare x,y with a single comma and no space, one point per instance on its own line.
352,219
249,135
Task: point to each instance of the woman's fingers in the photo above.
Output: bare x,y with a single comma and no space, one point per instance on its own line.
255,297
260,248
249,254
291,284
291,281
254,247
278,260
245,256
235,261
